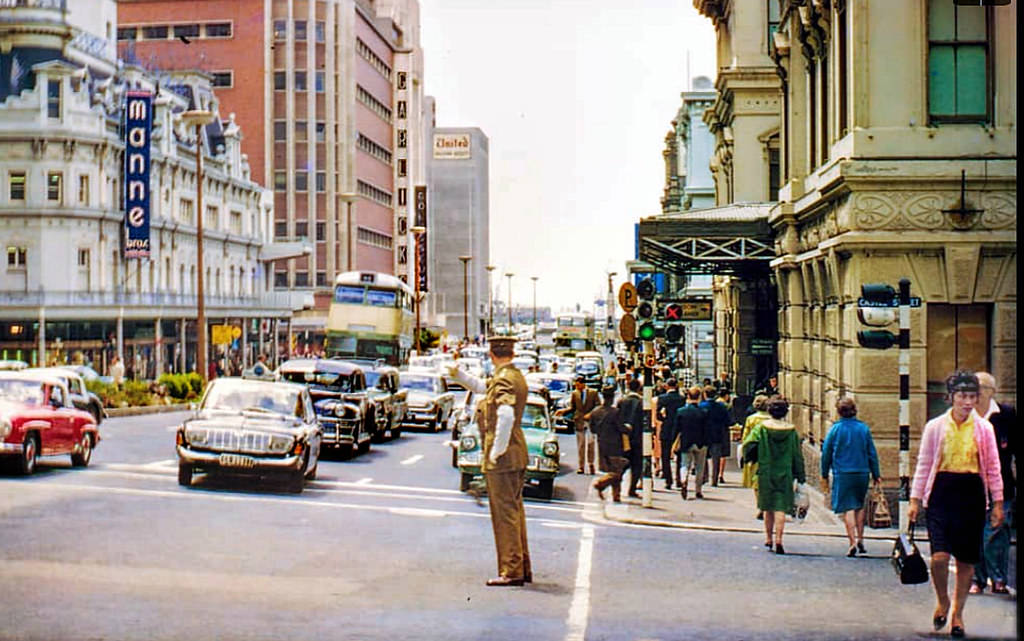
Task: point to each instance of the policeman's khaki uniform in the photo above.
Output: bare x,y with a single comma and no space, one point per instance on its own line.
505,478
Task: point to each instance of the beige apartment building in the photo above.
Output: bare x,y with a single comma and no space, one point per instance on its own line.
896,152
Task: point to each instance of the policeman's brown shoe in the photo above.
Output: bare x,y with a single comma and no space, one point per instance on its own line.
591,471
503,581
600,490
579,470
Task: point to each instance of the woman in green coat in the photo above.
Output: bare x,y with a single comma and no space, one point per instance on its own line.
755,419
779,463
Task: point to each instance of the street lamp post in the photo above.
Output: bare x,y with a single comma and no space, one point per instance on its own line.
465,295
509,275
198,119
490,301
534,279
609,332
417,232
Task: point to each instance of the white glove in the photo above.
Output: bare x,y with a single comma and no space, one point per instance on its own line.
470,382
502,432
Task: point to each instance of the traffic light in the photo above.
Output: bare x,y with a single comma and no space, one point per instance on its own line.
876,308
674,333
645,310
672,314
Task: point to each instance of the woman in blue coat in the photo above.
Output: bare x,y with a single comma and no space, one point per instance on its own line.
849,452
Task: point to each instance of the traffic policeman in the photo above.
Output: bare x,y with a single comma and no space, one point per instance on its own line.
500,416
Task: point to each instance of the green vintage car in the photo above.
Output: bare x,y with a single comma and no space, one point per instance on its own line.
541,444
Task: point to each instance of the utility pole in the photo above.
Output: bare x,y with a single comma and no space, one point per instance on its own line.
490,301
509,275
199,119
465,296
417,232
534,279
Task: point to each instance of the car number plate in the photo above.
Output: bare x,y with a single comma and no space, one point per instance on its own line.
235,460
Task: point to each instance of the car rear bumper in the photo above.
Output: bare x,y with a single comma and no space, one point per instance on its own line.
420,415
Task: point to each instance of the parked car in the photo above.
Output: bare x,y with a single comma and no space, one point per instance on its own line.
543,455
252,428
37,418
383,388
81,397
340,400
430,401
559,389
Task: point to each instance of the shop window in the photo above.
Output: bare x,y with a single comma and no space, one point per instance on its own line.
958,338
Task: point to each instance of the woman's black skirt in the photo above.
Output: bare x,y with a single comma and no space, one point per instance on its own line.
956,515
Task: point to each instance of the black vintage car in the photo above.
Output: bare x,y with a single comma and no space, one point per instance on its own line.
339,393
251,428
386,395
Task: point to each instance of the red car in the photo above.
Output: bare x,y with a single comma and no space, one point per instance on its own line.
38,418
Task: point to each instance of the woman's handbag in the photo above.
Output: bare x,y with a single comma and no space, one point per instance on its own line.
801,501
878,509
907,560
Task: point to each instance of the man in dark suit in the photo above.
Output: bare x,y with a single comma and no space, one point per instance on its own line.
995,560
691,442
631,406
665,413
718,422
581,403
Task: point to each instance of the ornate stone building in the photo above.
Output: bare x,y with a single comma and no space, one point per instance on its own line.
907,173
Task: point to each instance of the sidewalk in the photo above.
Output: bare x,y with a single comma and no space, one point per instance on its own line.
727,508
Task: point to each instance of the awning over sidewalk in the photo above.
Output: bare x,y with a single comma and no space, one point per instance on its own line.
735,239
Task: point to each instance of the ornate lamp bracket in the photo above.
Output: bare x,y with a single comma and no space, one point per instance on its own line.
963,217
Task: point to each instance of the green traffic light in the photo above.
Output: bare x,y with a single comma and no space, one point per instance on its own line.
646,332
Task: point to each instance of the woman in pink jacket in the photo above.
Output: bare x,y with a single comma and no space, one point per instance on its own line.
957,474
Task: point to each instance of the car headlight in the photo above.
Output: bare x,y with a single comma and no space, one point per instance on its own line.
197,436
467,443
280,444
346,410
550,448
5,428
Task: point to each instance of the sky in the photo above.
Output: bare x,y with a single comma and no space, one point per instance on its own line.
575,97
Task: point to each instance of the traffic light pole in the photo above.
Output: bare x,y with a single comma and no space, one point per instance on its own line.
904,364
647,499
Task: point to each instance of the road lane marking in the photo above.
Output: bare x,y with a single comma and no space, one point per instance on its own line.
412,459
215,495
364,481
579,611
167,463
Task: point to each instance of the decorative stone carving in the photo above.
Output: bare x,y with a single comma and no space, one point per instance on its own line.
917,210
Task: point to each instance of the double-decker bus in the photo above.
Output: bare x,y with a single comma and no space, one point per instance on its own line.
371,316
574,332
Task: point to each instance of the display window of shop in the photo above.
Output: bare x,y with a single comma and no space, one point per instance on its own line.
958,338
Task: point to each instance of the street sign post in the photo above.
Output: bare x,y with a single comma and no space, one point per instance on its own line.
627,328
627,297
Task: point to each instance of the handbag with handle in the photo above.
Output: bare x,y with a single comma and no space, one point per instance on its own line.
878,515
907,560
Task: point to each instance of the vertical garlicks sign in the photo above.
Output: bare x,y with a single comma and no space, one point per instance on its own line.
138,125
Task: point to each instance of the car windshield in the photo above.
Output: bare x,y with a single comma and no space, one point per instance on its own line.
534,417
332,381
371,378
268,397
587,367
21,391
425,383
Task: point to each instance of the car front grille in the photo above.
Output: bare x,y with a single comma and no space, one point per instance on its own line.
224,440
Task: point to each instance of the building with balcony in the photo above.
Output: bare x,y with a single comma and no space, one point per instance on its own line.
330,95
68,294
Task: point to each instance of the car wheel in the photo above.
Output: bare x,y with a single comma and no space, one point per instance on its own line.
378,436
364,447
296,482
396,428
547,488
185,474
465,480
84,454
29,454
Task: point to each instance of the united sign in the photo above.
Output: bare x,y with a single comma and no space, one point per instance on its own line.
138,125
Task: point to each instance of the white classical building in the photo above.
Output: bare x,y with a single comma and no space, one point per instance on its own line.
67,293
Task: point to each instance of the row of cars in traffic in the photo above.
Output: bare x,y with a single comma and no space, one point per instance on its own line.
278,425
